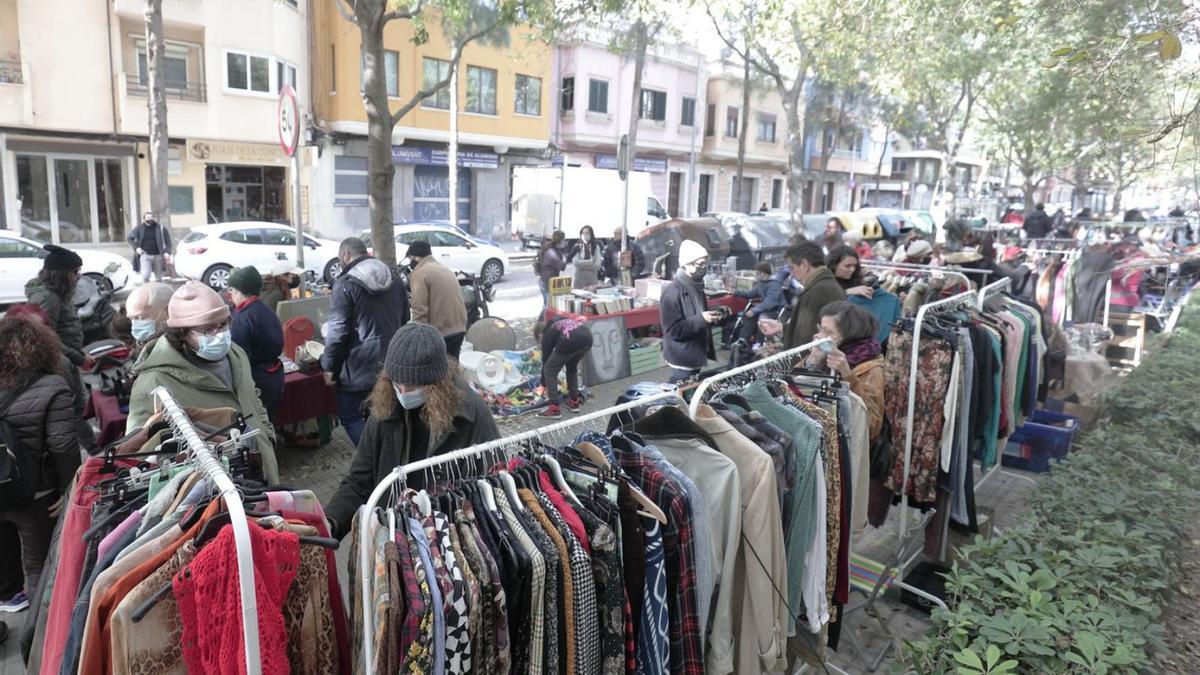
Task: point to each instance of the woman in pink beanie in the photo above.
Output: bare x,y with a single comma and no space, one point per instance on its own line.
198,363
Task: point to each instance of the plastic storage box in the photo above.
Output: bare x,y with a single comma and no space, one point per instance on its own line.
1044,437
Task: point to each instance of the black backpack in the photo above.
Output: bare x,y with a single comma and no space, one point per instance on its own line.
17,467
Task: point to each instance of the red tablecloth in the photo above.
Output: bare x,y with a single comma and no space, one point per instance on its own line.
305,397
648,316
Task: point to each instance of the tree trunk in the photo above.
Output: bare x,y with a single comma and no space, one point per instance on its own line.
156,103
795,166
826,151
738,185
380,170
639,62
887,132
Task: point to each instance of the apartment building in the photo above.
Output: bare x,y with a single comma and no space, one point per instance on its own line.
765,174
594,103
73,115
503,121
854,158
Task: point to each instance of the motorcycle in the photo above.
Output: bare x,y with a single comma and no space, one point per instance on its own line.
93,303
476,294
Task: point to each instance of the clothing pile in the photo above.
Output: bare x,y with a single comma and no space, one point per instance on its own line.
143,577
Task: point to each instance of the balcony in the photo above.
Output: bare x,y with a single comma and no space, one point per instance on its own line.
176,91
10,72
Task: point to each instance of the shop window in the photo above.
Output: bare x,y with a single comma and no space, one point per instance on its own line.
528,95
247,72
481,90
687,112
434,71
110,199
598,96
567,101
350,181
182,199
654,105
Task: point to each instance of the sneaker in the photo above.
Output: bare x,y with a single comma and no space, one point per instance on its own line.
17,603
575,403
552,411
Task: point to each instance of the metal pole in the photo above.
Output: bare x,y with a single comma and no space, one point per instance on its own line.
452,155
296,213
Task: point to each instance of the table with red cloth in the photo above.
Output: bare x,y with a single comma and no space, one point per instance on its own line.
305,397
643,317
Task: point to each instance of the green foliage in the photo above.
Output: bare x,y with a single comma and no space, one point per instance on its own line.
1077,587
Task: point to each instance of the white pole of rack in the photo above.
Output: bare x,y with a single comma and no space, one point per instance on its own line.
215,472
365,544
703,387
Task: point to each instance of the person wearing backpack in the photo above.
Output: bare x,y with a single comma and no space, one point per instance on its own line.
38,430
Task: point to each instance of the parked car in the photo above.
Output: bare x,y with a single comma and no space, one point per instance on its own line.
459,252
209,252
21,259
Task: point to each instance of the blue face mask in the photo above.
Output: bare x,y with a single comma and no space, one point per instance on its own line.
410,400
143,329
214,347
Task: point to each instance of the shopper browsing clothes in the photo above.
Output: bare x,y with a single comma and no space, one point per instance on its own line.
256,329
54,290
279,285
146,308
857,357
565,342
685,317
420,407
807,264
436,296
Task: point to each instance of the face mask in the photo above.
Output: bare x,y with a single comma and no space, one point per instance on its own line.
587,238
698,273
214,347
410,399
294,282
143,329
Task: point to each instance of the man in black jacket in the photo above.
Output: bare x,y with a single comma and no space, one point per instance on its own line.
369,304
152,245
685,317
1038,223
612,258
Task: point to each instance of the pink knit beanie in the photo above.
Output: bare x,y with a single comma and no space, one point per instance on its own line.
149,299
195,305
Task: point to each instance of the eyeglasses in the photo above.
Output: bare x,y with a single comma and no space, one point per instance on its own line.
212,330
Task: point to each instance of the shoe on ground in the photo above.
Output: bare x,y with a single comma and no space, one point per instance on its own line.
17,603
552,411
575,403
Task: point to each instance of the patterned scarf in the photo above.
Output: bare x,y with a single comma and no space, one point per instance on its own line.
858,351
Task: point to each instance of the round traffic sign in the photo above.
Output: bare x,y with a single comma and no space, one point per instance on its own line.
288,120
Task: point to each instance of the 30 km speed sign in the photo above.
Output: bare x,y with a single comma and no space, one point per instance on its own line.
289,121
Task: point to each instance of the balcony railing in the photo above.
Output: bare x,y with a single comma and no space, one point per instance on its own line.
191,91
10,72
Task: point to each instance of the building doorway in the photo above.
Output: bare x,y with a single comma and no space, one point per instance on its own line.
71,199
245,193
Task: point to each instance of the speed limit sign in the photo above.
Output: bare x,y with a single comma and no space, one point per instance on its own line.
289,121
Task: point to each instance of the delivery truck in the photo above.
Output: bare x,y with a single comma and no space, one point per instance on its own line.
546,199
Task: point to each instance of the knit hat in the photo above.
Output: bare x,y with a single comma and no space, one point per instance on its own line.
246,279
60,259
195,305
918,249
420,247
416,355
963,257
284,267
690,251
149,300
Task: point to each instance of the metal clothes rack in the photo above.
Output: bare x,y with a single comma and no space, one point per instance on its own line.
706,384
399,473
206,463
953,270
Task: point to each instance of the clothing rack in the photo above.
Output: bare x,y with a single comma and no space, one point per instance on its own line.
954,270
207,463
774,359
399,473
986,293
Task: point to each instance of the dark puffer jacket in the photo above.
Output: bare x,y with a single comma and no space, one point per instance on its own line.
64,318
43,417
369,304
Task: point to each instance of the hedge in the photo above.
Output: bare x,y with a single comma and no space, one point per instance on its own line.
1078,585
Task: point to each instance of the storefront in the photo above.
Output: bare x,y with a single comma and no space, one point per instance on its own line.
426,169
68,192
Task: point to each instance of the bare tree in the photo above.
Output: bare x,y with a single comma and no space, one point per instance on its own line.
156,103
739,181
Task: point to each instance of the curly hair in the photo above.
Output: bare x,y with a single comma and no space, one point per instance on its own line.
28,311
29,348
442,400
59,282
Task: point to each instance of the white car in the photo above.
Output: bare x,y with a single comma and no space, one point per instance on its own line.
453,249
209,252
21,260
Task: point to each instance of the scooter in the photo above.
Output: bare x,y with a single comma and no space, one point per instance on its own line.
746,338
93,303
476,294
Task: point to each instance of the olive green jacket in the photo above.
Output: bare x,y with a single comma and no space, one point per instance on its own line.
64,318
162,365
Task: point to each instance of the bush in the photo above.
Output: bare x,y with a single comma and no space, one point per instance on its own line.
1078,585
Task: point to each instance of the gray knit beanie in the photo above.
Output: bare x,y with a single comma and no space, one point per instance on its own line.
416,355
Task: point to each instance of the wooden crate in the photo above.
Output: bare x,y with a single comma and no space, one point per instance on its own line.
645,359
1129,339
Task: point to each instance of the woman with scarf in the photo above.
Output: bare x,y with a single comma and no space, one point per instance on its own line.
586,254
858,358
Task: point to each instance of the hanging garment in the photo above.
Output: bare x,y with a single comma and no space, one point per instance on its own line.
934,365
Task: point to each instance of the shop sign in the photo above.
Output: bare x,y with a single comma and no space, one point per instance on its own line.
647,164
468,159
222,152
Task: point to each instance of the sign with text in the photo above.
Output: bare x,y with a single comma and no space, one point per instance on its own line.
647,164
468,159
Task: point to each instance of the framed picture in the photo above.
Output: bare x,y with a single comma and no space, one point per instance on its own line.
609,358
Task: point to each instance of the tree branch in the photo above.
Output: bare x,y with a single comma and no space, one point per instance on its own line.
455,58
404,14
746,55
345,10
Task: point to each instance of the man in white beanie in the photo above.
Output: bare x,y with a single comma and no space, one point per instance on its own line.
686,319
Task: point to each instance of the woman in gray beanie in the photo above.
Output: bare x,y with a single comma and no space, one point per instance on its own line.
420,407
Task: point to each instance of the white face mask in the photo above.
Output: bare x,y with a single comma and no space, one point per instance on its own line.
410,399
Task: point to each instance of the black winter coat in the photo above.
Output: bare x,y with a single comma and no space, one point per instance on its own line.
612,260
137,238
387,443
687,337
369,305
256,329
43,417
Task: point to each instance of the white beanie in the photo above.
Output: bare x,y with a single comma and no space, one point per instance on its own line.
690,251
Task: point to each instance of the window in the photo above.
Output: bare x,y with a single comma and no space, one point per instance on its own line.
244,236
777,193
766,128
899,166
687,112
273,237
174,161
246,72
481,90
598,96
175,65
528,95
654,105
349,181
15,248
181,199
391,72
731,122
446,239
566,101
285,74
710,121
434,71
